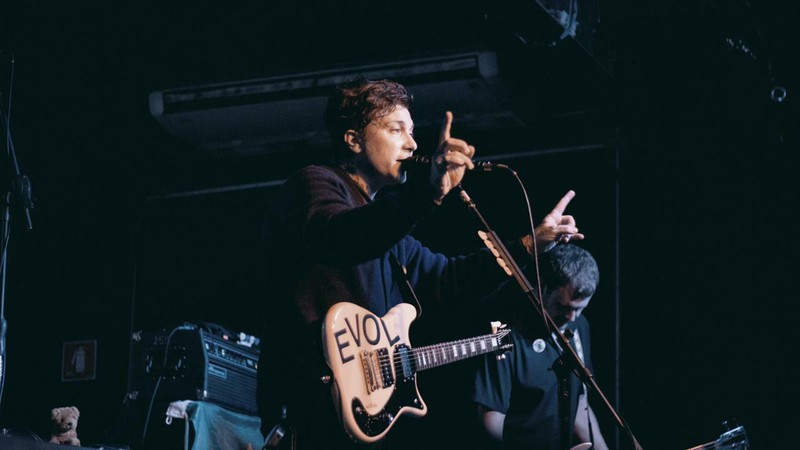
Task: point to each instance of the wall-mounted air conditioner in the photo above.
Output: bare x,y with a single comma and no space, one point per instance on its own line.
259,115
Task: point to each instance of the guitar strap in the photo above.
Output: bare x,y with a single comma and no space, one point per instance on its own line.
576,339
406,290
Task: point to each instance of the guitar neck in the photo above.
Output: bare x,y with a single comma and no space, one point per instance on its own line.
431,356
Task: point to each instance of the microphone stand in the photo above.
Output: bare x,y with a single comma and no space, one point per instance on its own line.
19,193
569,360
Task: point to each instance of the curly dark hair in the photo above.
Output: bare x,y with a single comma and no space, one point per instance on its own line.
357,102
568,264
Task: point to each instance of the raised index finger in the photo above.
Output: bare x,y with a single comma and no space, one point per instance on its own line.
562,204
444,134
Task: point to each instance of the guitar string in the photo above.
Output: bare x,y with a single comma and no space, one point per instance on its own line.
416,352
439,347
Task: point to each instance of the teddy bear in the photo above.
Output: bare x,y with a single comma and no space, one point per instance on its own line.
65,423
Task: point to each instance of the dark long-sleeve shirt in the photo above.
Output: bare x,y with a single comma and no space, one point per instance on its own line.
328,242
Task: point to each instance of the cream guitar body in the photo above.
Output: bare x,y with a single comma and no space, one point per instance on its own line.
374,366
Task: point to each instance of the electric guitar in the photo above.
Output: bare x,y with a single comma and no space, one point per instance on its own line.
733,439
374,367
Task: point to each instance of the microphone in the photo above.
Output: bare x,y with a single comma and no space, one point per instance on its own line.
484,166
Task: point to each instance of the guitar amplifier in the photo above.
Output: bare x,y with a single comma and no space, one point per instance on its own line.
189,363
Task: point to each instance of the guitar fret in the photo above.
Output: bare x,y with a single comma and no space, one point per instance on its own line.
435,355
439,354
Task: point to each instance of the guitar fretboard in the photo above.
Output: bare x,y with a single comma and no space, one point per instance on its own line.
436,355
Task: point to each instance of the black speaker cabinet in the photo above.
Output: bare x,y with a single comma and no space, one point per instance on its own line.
189,363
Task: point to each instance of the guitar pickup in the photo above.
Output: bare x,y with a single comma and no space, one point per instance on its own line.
404,363
385,364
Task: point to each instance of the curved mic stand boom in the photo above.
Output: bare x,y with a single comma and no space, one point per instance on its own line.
569,359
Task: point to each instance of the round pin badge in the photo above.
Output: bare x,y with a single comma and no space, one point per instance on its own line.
538,345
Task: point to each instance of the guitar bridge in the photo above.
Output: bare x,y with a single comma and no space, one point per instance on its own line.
368,363
377,369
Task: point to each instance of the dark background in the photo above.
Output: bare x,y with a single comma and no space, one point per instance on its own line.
661,120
